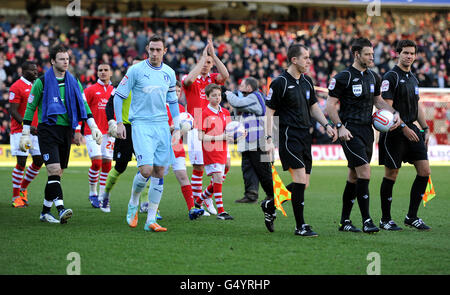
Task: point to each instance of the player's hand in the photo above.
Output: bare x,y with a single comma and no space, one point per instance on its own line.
270,148
410,134
427,137
78,138
210,48
397,121
25,139
121,131
176,135
97,135
112,128
331,133
344,134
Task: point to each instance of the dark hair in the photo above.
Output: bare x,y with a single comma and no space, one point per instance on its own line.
359,44
57,49
210,88
104,63
156,38
295,50
252,82
28,64
405,43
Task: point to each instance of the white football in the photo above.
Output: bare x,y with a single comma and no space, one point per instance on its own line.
383,120
236,128
186,121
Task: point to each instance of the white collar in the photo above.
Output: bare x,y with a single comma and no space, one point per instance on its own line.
200,76
101,83
25,80
214,110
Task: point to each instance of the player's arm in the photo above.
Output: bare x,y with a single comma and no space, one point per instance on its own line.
193,74
422,122
221,68
332,110
34,99
174,109
109,110
318,115
121,93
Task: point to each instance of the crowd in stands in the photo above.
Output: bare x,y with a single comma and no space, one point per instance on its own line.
255,52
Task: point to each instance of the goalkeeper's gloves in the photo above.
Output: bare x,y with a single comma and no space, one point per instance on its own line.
96,133
25,139
112,128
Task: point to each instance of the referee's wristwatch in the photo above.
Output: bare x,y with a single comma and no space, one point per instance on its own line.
338,125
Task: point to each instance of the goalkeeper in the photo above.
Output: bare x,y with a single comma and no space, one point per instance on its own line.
61,105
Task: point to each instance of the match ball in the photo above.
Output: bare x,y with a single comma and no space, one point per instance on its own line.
382,120
235,128
186,122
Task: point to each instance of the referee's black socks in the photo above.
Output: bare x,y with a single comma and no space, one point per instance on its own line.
362,195
297,199
417,190
53,191
386,188
348,198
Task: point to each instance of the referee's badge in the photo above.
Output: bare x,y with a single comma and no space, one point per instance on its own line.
308,94
357,90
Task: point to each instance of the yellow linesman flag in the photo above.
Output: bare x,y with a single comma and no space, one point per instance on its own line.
281,194
429,192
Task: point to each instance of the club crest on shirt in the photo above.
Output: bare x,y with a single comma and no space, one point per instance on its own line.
357,90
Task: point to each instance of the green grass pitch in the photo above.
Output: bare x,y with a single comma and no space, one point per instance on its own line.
106,244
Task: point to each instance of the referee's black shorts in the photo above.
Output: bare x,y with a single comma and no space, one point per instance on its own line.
394,148
123,148
54,143
358,150
295,148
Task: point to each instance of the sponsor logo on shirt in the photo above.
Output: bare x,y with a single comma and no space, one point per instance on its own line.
332,84
385,86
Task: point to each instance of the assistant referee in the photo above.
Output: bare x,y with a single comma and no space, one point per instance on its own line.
294,104
400,88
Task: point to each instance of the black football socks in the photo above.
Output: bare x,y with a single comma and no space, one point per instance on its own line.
386,188
348,198
417,190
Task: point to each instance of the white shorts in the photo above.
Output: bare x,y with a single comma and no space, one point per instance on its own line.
179,164
105,150
194,148
15,148
214,168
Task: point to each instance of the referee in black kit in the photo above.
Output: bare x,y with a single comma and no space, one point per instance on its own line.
292,98
400,88
355,91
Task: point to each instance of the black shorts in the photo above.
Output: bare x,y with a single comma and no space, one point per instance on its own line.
358,150
123,148
54,143
394,148
295,148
